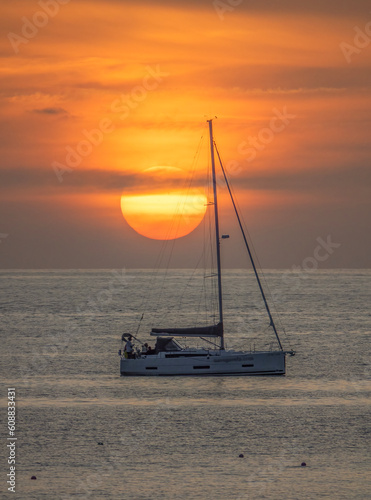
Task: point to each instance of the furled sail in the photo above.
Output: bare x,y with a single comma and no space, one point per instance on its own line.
198,331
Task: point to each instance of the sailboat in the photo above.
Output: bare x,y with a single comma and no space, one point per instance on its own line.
170,357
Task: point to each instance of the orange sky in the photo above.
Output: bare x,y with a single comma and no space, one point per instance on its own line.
104,90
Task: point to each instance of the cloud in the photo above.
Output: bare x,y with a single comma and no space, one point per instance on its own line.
286,78
328,181
50,111
325,182
329,7
86,181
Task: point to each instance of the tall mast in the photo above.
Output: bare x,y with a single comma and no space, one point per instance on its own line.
210,122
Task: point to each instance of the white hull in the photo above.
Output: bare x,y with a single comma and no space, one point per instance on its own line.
203,362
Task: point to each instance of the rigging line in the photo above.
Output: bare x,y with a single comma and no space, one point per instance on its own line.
189,281
262,274
203,290
203,256
212,283
174,227
205,260
267,288
165,250
180,208
217,229
181,204
154,278
148,297
210,342
211,245
209,286
249,251
140,321
204,302
203,305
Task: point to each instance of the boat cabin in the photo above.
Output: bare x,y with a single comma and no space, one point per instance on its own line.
166,344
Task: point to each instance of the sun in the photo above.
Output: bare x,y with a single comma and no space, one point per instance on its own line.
167,211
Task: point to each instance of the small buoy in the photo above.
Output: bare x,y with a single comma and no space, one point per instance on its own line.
303,464
100,442
33,477
240,455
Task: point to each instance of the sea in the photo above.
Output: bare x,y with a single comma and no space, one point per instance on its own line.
85,432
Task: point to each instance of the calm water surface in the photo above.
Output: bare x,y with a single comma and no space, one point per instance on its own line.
179,438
